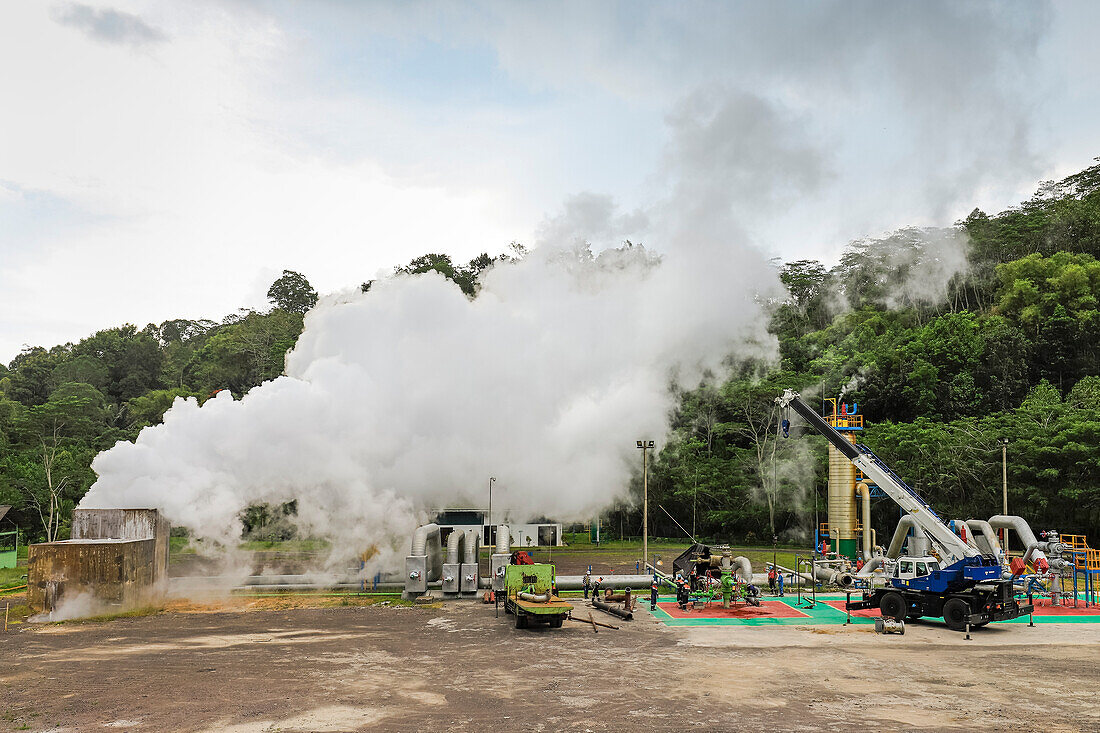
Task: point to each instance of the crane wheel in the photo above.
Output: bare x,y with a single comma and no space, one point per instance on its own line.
955,613
893,606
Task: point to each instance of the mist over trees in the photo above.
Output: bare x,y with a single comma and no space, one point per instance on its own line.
947,339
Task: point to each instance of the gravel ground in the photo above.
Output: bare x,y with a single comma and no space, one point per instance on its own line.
276,666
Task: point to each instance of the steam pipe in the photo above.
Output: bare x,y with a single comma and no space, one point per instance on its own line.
1023,531
421,537
455,545
865,494
574,582
904,525
471,547
835,577
744,568
533,597
868,569
982,528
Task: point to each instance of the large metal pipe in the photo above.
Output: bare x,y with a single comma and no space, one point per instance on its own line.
985,537
613,610
1023,531
471,547
422,536
744,568
455,543
832,576
868,533
574,582
904,525
534,597
869,567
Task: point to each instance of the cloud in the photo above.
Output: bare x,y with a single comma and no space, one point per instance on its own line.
107,25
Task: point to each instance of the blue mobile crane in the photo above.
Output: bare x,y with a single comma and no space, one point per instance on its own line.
964,587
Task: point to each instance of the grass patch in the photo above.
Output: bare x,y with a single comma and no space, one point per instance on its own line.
133,613
11,577
19,614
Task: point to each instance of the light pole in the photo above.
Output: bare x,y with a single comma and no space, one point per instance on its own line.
491,535
1004,487
645,446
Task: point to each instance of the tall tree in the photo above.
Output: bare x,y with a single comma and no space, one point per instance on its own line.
292,292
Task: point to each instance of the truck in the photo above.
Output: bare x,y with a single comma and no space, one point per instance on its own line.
529,595
963,586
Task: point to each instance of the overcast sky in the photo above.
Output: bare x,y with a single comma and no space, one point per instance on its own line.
163,160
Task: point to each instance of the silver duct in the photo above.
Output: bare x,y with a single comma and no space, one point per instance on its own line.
1023,531
868,533
471,561
985,537
904,525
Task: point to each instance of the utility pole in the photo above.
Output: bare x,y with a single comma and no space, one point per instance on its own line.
1004,487
645,446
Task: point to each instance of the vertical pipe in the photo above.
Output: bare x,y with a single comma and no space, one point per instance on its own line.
645,509
865,495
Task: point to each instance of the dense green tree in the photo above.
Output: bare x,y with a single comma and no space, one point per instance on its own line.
292,292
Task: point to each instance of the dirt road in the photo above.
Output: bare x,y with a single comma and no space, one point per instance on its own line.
459,668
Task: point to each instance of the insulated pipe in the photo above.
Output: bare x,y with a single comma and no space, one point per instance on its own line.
504,540
533,597
834,577
981,528
744,568
869,567
865,494
422,536
1023,531
962,529
455,544
471,547
574,582
803,578
904,525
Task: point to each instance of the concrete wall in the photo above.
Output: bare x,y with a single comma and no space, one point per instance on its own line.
126,524
117,573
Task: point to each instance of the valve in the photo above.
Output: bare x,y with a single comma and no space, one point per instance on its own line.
414,575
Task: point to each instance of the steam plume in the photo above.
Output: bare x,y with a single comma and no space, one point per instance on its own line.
407,398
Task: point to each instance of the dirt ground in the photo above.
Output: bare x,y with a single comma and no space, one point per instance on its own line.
274,665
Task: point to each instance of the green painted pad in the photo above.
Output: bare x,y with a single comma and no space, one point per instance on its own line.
827,611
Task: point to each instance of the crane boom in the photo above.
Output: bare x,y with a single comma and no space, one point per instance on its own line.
951,545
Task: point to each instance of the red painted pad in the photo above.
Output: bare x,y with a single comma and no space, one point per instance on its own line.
1043,608
766,609
862,612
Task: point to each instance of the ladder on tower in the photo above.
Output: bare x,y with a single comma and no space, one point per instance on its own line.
1086,564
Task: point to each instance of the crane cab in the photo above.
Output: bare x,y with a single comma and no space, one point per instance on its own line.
907,568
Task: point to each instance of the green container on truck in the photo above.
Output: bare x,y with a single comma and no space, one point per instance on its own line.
529,596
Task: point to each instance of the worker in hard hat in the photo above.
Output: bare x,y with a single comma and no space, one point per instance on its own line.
653,594
586,582
596,588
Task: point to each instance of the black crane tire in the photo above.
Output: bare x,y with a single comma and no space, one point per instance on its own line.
955,613
893,606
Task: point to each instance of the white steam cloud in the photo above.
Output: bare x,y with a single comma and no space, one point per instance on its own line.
406,399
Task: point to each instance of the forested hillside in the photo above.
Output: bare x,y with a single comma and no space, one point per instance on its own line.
948,341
